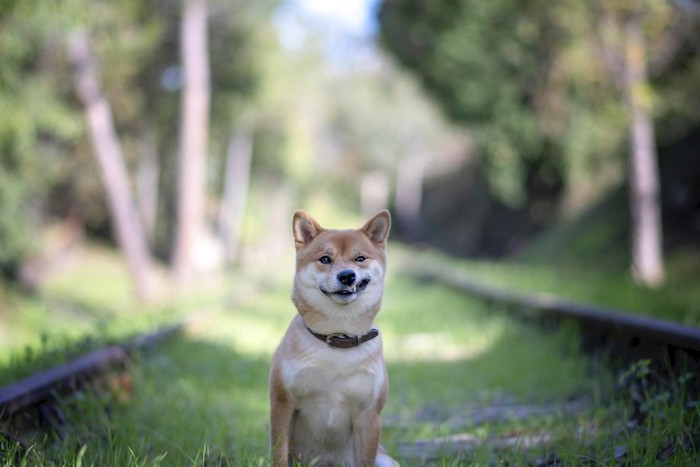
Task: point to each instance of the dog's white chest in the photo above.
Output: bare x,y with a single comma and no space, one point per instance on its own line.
339,383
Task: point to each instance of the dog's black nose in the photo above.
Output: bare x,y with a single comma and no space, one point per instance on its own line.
346,277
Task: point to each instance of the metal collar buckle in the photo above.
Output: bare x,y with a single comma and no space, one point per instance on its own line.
344,337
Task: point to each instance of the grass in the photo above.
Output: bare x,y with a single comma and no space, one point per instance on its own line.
201,399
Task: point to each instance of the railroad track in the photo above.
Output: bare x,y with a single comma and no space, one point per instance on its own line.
617,332
673,349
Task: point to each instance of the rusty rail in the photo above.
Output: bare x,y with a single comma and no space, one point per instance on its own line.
624,326
39,387
42,386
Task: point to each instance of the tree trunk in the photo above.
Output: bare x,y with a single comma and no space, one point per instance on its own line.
647,248
375,193
127,223
236,182
147,182
409,195
194,124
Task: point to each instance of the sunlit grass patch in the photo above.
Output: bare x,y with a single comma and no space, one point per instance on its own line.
475,347
97,277
426,322
254,327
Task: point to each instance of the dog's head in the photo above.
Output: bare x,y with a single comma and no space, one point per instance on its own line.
340,267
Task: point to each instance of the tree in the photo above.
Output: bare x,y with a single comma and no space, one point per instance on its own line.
127,223
147,177
627,60
194,133
531,83
43,174
647,246
235,193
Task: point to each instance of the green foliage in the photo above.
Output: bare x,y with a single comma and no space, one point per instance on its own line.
536,83
36,121
486,63
663,414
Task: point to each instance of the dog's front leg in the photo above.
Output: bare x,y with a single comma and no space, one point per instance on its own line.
366,431
280,421
281,412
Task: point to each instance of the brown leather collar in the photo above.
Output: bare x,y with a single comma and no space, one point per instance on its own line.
343,341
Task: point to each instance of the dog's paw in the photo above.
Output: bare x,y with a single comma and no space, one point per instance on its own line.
384,460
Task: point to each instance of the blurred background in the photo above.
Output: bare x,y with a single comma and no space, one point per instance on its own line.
183,134
152,154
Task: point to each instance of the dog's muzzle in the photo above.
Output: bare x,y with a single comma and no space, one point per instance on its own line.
348,287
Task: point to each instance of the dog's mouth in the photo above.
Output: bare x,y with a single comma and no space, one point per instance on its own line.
346,294
362,285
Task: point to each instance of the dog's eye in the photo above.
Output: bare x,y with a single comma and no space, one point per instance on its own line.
360,259
325,259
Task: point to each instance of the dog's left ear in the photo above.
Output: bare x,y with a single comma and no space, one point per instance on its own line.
377,228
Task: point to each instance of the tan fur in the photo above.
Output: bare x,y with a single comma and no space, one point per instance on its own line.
325,403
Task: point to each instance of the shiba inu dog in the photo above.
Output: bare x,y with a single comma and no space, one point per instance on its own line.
328,381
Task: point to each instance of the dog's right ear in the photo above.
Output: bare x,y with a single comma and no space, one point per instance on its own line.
305,229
